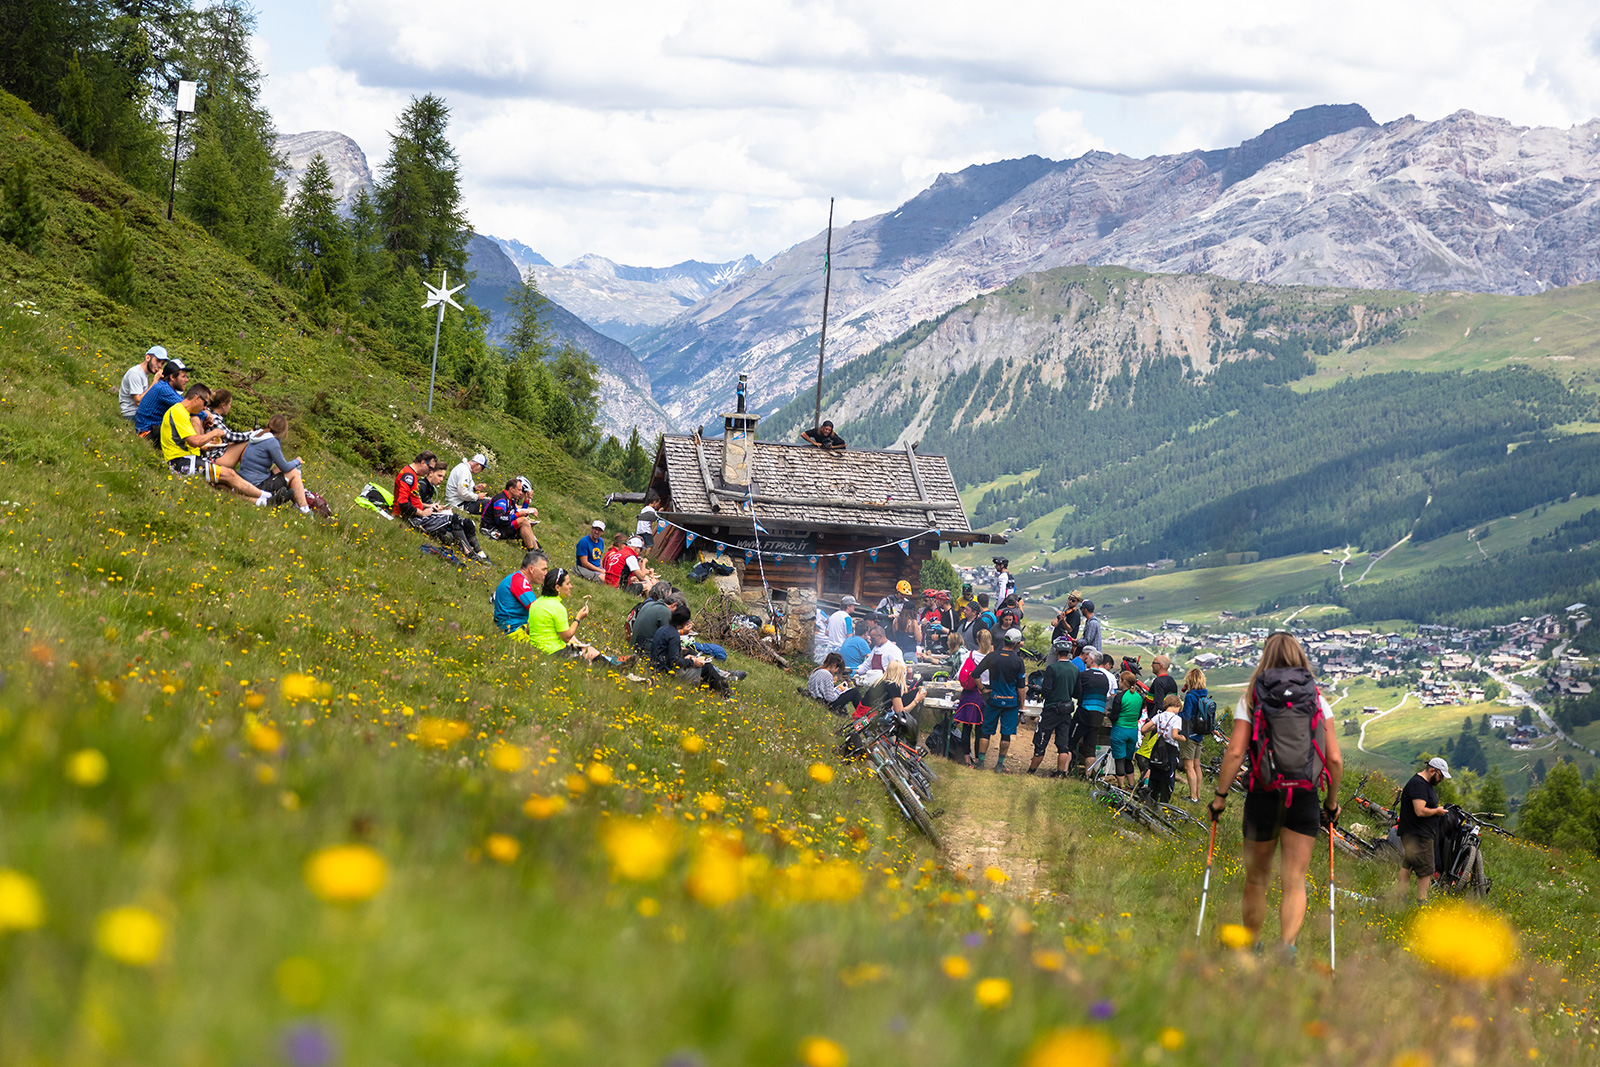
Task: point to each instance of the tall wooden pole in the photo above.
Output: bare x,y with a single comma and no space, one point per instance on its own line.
827,282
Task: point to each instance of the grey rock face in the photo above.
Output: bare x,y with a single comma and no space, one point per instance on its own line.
347,164
625,399
626,302
1328,198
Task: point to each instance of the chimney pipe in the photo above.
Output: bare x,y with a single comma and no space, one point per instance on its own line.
738,442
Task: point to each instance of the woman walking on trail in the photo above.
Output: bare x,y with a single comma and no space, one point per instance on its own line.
1282,717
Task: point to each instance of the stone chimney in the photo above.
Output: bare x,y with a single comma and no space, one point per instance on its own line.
738,443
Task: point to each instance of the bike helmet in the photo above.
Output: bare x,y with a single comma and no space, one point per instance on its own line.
1064,643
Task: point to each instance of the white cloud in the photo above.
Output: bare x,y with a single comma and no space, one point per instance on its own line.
655,130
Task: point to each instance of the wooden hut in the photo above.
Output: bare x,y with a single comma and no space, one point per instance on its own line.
776,506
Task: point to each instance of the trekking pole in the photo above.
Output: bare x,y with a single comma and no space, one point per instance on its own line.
1205,886
1332,829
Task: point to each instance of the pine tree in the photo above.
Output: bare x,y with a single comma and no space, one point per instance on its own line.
318,239
1483,725
610,458
419,195
1493,793
637,463
22,210
314,294
370,263
113,262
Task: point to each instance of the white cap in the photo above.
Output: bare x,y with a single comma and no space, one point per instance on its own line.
598,525
479,459
847,601
157,351
1013,636
1440,765
635,542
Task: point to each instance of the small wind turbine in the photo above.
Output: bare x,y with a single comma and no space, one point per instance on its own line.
439,295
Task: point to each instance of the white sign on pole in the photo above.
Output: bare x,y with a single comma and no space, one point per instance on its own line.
185,97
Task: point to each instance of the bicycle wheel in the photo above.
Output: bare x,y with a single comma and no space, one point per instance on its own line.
1179,816
910,803
1477,879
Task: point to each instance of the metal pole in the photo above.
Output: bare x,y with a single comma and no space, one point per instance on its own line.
437,323
827,281
172,188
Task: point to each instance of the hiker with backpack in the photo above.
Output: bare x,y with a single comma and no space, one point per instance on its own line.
1284,726
1091,626
1199,722
1162,731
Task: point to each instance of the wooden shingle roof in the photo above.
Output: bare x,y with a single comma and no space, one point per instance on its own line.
804,473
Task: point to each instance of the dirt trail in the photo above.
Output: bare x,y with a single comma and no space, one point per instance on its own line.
997,820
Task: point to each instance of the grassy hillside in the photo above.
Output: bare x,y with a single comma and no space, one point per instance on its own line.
275,791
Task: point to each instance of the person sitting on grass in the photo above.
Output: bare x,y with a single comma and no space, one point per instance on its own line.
181,445
227,449
827,685
518,591
667,655
263,466
549,629
653,614
159,398
509,516
888,694
136,382
623,567
590,550
435,520
462,490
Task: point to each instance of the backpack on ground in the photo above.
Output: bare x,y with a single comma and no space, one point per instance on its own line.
1284,753
1203,720
377,498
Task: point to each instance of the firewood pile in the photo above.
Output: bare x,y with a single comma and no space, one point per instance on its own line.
726,620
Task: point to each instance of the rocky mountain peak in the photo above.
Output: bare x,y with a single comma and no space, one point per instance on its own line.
347,163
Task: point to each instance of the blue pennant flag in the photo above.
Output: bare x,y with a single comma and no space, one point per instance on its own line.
661,525
872,554
749,555
843,562
813,562
905,546
759,528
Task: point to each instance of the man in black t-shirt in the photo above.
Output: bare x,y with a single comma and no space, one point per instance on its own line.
1161,686
823,437
1419,820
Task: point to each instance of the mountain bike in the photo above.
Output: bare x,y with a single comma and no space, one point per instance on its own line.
900,768
1125,805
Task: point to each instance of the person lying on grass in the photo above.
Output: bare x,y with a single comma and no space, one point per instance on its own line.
181,445
550,630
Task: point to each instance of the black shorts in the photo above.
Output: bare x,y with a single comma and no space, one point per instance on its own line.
1266,813
1055,722
1417,855
1083,727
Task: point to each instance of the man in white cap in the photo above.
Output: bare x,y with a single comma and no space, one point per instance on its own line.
1419,822
591,550
463,490
840,624
136,382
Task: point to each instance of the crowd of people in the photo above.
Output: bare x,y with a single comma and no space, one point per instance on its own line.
186,422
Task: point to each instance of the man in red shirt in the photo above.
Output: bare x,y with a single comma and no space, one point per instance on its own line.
435,520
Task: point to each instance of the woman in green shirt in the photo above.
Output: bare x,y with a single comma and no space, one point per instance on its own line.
1124,710
549,628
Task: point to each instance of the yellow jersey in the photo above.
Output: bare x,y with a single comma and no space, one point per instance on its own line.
176,426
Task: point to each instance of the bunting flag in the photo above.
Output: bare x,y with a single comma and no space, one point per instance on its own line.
661,525
844,562
749,555
905,546
688,538
872,554
813,562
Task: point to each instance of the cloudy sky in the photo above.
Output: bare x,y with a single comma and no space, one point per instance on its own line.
652,131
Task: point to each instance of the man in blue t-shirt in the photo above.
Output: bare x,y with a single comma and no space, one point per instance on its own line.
855,651
518,590
591,550
160,397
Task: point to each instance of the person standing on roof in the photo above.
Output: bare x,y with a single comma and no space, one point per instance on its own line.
462,490
823,436
1419,825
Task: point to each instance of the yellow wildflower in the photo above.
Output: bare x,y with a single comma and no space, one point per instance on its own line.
955,966
996,875
21,903
821,772
640,849
1170,1038
1235,936
542,807
440,733
693,743
1464,941
1047,959
1412,1058
600,774
821,1052
87,767
1077,1047
502,848
264,738
718,875
298,687
992,993
710,802
344,874
508,758
131,935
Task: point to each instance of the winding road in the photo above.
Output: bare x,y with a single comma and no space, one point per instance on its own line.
1361,741
1522,696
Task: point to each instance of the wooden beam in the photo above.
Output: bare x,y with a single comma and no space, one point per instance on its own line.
841,502
705,474
916,476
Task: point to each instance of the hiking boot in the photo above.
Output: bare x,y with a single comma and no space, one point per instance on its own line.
738,676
